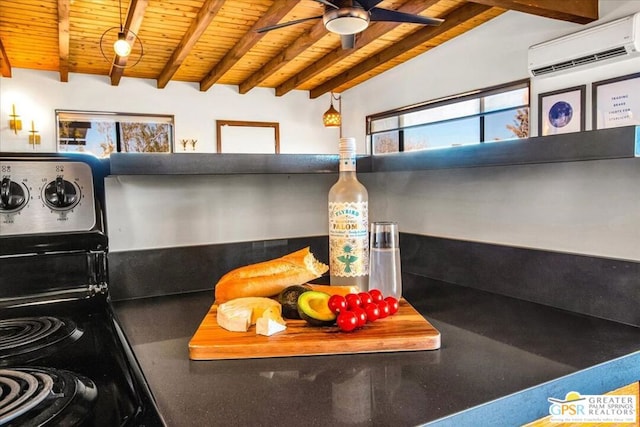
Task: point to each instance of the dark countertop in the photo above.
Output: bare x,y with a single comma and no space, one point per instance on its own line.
498,350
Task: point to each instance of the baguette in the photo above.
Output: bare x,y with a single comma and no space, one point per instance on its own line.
269,278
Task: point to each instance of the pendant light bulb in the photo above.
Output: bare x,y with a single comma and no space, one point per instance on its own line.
121,47
333,117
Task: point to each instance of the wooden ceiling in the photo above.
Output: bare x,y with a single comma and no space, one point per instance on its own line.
215,42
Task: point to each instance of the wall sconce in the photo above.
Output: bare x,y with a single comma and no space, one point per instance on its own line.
34,138
333,117
14,123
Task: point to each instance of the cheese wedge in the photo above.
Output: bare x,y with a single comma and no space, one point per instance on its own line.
268,327
274,313
237,315
271,322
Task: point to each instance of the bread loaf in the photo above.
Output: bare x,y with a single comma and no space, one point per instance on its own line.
269,278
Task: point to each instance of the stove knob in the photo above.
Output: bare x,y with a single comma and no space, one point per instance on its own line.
60,194
12,195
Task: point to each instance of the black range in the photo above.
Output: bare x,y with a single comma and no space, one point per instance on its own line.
64,360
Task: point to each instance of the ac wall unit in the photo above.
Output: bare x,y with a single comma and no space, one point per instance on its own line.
617,39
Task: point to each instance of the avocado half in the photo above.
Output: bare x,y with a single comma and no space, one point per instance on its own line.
288,299
313,307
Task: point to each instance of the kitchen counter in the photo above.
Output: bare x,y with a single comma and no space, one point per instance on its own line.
501,358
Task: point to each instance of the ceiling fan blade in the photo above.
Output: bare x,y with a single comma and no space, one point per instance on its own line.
368,4
286,24
328,3
378,14
348,41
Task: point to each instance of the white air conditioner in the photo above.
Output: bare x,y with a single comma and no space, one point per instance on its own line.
617,39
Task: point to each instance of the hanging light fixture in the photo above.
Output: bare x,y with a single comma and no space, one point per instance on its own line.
121,47
333,117
121,42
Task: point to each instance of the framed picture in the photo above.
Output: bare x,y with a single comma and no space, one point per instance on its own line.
616,102
233,136
561,111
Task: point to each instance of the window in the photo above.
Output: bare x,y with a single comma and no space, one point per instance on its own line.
101,133
488,115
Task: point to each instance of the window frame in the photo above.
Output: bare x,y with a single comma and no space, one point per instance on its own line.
64,143
479,94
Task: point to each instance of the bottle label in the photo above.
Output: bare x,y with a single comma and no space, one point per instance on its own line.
349,239
347,162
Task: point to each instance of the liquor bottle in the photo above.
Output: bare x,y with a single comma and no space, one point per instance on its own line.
348,223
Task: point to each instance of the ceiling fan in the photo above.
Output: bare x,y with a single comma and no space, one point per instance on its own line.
349,17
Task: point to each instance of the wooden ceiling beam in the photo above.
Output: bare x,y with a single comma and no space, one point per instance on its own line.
5,65
451,20
272,16
135,16
578,11
207,12
302,43
63,39
369,35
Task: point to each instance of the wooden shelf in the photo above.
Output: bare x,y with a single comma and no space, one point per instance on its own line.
616,143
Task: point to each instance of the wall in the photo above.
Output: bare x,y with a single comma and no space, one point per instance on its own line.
491,54
584,208
157,212
37,94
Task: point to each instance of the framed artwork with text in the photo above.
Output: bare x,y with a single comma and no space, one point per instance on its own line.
616,102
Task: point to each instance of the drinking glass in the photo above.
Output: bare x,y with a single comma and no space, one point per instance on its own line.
384,259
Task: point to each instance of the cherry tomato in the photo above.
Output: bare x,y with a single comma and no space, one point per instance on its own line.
373,312
347,321
353,301
393,304
365,298
337,303
376,295
361,315
384,309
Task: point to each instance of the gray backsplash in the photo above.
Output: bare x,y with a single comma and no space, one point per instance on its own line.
600,287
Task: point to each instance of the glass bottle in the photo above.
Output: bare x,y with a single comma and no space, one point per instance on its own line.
348,223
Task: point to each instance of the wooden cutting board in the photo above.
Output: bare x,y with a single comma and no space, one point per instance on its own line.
406,330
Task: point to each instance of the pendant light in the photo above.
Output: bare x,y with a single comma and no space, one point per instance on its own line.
121,42
121,47
333,117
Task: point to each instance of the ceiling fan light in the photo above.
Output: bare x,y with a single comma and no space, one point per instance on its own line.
346,21
121,47
332,118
